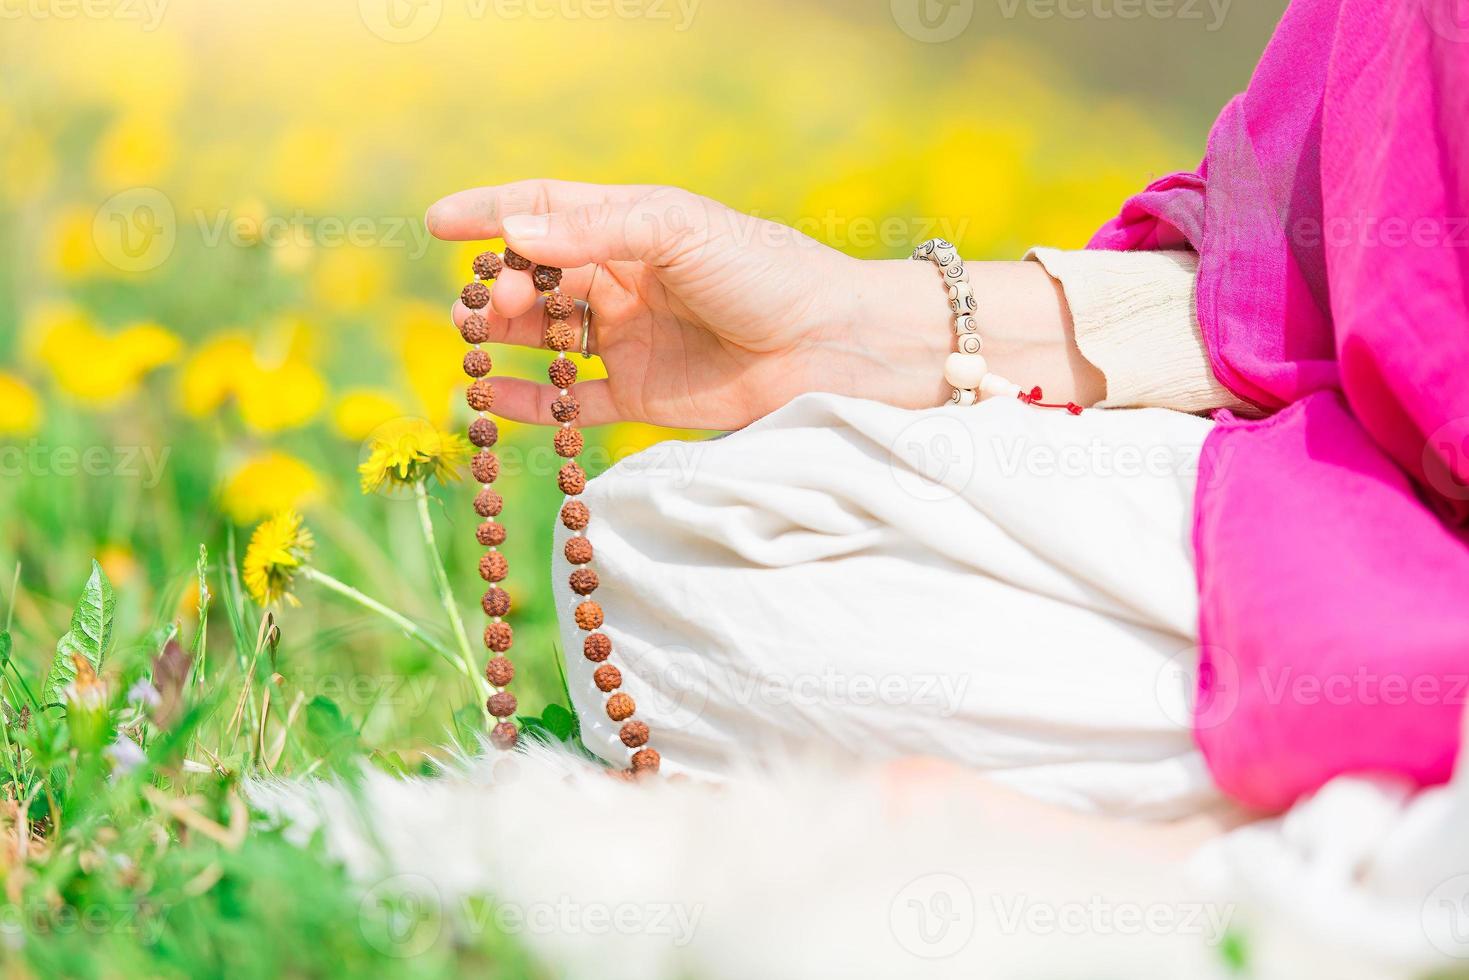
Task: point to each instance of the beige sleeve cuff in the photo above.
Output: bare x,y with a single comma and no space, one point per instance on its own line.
1136,321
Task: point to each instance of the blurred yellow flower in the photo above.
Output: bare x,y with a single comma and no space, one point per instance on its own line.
136,150
20,409
281,397
93,366
280,547
406,451
359,411
119,562
431,352
72,252
268,483
306,164
270,397
351,277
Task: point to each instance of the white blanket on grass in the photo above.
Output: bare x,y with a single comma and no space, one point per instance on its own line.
841,583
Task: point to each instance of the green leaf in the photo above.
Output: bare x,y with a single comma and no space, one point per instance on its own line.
90,634
558,721
4,649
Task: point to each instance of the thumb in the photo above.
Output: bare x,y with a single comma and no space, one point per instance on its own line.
663,228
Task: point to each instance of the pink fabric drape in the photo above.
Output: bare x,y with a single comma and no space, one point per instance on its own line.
1331,217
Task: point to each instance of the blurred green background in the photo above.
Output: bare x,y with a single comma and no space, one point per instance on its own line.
215,282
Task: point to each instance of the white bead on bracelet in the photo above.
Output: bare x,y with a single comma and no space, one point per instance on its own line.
966,370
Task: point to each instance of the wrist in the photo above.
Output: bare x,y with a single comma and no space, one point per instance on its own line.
895,331
892,334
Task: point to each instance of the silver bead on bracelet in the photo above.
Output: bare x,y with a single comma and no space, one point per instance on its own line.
966,370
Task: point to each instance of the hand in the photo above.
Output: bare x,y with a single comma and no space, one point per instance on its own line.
705,317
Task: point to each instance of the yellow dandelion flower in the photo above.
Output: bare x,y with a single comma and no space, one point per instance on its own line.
267,484
280,547
20,409
359,411
119,563
406,451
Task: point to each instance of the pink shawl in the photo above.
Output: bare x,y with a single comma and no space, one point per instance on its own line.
1331,217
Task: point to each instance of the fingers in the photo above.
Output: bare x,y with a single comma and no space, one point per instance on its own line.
478,214
655,227
525,401
527,329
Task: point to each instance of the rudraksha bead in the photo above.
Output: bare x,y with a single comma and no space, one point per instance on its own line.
588,614
560,335
499,671
484,432
501,705
620,707
560,307
475,329
546,277
569,443
488,503
571,479
633,734
562,372
487,265
481,395
578,551
485,467
499,637
516,261
476,296
575,516
504,735
477,364
583,581
565,408
597,647
495,602
607,678
493,567
646,761
491,534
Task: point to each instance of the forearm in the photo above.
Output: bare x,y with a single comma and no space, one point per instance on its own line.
898,330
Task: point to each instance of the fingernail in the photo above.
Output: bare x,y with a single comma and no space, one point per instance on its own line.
527,227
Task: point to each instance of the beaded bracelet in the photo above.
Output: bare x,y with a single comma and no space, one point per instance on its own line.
571,479
966,369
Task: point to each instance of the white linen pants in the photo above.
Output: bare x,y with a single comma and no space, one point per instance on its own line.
1007,587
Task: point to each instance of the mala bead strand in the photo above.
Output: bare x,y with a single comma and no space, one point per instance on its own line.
572,480
484,433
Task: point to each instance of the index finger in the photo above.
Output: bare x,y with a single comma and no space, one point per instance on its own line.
477,214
